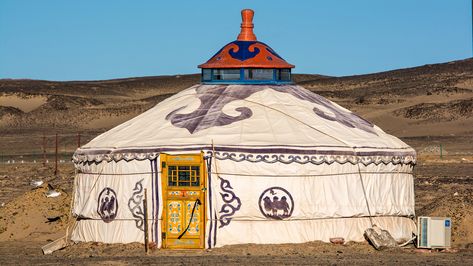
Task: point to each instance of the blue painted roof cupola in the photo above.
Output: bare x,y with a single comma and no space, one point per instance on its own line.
246,60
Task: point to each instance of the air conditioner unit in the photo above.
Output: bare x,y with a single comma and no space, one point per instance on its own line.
434,232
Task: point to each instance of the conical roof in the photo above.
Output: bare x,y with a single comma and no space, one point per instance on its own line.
266,120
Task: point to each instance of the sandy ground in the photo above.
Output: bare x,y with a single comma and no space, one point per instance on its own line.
294,254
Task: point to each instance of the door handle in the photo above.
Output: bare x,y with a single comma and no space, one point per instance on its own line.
197,202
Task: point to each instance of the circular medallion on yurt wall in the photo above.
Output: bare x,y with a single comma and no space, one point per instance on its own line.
107,205
276,203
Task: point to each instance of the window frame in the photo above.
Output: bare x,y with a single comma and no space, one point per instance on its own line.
275,78
174,180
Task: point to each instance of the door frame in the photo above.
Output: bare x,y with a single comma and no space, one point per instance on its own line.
191,159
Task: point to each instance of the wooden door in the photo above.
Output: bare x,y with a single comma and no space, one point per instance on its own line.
183,178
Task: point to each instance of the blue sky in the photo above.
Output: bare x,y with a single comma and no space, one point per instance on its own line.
88,40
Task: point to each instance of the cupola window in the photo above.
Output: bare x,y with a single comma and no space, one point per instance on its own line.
259,74
284,74
226,74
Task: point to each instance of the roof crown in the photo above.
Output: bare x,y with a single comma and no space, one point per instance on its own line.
246,51
246,32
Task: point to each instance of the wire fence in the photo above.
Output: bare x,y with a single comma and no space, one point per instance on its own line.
41,148
35,159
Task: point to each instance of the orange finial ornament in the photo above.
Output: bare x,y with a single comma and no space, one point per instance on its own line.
246,33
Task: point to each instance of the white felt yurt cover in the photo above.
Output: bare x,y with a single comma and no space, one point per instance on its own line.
263,140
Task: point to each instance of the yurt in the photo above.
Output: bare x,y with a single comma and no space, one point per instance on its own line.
246,156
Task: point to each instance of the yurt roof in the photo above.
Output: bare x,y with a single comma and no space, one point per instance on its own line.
259,120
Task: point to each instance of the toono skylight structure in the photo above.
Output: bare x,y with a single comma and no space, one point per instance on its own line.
246,60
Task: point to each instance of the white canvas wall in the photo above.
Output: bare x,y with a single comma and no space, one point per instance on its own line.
328,201
320,193
124,178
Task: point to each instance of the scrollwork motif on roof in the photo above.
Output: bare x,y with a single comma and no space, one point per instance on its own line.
214,98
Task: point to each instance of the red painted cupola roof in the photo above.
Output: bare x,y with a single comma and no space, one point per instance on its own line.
246,51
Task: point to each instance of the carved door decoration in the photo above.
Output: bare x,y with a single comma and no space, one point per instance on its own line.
183,178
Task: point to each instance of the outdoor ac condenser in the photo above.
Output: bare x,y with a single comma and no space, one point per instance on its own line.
433,232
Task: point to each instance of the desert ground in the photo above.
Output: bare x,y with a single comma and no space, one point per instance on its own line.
429,107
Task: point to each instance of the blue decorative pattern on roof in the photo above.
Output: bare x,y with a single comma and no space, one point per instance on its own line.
243,52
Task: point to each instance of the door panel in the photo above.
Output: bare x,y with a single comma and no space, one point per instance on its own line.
194,228
175,218
183,178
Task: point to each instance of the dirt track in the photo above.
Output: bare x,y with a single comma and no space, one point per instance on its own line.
28,253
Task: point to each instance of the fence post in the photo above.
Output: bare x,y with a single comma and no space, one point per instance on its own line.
145,210
44,149
55,168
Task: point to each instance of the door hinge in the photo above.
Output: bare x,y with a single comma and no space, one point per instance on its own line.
163,165
163,235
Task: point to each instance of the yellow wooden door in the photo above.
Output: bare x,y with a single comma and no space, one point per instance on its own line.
183,178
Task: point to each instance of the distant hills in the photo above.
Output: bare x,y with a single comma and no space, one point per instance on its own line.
429,100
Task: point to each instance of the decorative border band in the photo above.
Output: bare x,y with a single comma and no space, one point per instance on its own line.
315,159
266,155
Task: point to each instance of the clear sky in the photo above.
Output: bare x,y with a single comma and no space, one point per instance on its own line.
88,39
